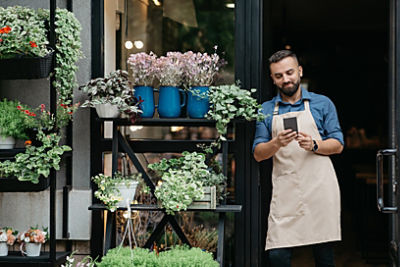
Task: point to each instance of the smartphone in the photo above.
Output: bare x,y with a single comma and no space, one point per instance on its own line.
290,123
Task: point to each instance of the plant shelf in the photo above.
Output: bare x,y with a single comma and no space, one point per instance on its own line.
13,185
15,258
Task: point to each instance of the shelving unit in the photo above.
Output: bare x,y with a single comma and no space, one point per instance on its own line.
50,258
120,143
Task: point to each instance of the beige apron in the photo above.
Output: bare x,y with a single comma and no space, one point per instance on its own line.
305,204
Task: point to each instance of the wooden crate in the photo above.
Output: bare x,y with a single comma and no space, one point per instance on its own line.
209,201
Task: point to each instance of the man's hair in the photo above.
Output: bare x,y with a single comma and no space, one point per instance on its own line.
278,56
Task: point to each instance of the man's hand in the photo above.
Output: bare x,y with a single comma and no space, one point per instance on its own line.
305,141
285,137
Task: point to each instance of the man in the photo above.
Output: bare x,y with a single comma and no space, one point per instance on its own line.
305,204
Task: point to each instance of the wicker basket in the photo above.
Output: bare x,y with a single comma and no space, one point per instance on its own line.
26,67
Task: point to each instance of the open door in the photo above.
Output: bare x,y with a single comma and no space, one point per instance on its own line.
387,160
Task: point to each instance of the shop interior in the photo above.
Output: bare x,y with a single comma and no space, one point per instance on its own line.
343,48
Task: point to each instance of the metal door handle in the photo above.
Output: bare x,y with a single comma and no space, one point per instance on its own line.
379,179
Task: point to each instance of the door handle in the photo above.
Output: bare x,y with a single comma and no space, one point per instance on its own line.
379,179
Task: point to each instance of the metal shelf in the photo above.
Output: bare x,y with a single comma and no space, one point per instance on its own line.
152,207
15,258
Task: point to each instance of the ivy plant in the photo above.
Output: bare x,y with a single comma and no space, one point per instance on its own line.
36,161
229,102
183,180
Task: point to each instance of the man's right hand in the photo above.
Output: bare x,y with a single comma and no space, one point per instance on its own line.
285,137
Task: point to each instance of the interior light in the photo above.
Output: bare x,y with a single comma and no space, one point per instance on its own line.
157,2
288,47
230,5
138,44
128,45
175,129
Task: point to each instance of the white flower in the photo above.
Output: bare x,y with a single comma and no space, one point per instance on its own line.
3,237
27,239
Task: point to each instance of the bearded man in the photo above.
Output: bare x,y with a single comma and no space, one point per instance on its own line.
305,203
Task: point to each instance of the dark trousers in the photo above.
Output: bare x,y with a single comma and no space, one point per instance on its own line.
323,256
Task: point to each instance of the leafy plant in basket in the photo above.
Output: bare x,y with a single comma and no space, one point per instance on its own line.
36,161
114,89
108,187
183,180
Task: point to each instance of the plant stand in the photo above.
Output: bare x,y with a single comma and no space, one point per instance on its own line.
207,205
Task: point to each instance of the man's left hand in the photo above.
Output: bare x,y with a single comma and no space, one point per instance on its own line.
305,141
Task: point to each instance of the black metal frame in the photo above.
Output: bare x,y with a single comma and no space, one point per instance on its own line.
119,141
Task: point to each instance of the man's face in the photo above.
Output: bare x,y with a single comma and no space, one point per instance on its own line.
286,75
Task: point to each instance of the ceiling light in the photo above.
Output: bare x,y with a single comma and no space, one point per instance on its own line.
138,44
128,45
157,2
288,47
230,5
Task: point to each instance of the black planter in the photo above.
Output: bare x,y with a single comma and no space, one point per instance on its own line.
26,67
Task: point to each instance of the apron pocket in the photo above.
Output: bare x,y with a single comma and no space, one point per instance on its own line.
287,199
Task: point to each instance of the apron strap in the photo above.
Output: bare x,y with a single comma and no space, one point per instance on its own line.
306,104
276,109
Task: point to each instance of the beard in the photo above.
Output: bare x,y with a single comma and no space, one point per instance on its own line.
289,89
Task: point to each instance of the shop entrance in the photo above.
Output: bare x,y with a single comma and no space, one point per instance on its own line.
344,49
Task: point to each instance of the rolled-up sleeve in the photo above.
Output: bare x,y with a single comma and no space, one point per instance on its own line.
263,133
331,123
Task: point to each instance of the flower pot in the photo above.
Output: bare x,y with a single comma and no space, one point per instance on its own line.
127,192
26,67
32,249
107,111
146,94
198,104
169,102
7,142
3,249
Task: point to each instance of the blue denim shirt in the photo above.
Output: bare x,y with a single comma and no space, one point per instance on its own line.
322,109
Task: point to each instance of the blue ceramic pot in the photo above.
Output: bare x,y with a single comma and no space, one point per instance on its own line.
169,101
146,94
198,104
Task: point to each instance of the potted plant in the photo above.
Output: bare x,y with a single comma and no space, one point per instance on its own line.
175,256
116,191
110,95
183,180
169,72
32,239
14,120
143,70
229,102
200,71
36,161
7,238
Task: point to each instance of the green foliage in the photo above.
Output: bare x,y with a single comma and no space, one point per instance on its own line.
114,89
68,48
229,102
107,190
184,179
13,120
36,161
177,256
25,26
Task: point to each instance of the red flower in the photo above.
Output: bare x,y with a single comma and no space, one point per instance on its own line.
63,105
42,107
32,114
70,113
27,112
6,29
19,107
1,30
33,44
1,40
177,206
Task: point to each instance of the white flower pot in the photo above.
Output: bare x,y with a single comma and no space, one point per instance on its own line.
3,249
127,193
7,142
33,249
107,111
